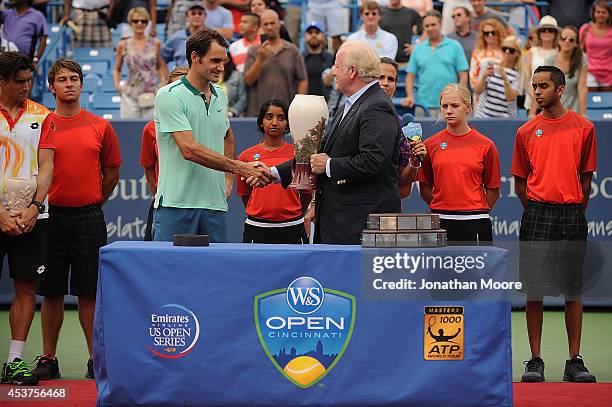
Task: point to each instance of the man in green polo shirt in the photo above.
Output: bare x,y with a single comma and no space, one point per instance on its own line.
196,147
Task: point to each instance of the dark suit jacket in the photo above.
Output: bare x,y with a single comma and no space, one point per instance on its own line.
364,148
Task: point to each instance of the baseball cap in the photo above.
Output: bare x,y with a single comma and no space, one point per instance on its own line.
315,24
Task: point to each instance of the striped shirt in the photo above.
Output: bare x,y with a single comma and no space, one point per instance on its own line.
238,50
492,102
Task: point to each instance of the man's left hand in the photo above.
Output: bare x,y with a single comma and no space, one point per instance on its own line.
27,220
318,162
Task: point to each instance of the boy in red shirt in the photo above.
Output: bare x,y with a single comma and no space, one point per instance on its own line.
554,160
86,170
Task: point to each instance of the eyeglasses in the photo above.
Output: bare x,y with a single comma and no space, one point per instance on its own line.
508,49
548,30
370,13
570,39
489,33
135,21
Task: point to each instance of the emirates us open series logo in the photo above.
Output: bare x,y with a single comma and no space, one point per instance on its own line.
304,329
173,331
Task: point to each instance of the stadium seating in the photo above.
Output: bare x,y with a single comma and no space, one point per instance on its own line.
599,105
99,68
105,101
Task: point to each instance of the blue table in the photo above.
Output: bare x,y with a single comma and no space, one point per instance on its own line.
278,325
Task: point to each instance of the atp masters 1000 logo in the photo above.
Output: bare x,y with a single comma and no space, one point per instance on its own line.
304,328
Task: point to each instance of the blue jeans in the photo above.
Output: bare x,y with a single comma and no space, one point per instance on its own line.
170,221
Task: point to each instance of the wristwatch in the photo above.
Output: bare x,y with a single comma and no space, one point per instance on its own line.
35,59
40,206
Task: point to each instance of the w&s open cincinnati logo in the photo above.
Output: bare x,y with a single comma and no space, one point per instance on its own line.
173,331
304,329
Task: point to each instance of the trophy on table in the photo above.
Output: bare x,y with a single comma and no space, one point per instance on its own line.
19,192
308,116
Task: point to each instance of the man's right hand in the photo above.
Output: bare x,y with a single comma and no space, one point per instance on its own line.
64,20
264,51
256,174
407,102
8,223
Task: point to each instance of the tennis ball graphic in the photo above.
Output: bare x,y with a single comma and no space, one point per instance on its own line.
304,369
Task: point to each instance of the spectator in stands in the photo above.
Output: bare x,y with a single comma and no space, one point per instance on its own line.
500,83
332,16
249,27
293,19
174,47
448,25
219,18
462,191
275,215
316,58
482,12
596,42
273,69
488,48
176,16
382,41
545,53
573,63
237,7
146,68
532,39
389,69
149,157
420,6
463,30
26,28
90,18
85,173
258,7
435,63
125,26
403,22
233,85
27,153
570,12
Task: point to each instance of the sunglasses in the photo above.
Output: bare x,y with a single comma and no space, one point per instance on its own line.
196,12
370,13
548,30
508,49
489,33
570,39
457,15
135,21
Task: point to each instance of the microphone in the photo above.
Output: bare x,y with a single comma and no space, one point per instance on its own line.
412,130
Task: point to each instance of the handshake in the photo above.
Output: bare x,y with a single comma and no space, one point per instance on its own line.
258,174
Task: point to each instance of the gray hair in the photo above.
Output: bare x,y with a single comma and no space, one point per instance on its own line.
364,58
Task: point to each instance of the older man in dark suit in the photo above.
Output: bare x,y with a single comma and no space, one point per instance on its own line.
357,163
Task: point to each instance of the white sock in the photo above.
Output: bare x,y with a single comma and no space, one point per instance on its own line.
16,349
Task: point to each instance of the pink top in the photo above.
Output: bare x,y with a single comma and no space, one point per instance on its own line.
599,54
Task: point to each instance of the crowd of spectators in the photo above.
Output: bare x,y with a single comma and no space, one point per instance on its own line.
464,43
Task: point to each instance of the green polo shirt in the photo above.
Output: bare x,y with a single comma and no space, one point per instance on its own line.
179,106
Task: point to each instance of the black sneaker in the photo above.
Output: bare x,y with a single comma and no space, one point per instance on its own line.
18,372
90,373
576,371
47,368
534,370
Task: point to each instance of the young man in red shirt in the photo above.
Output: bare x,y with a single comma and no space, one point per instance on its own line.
86,171
24,153
554,160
